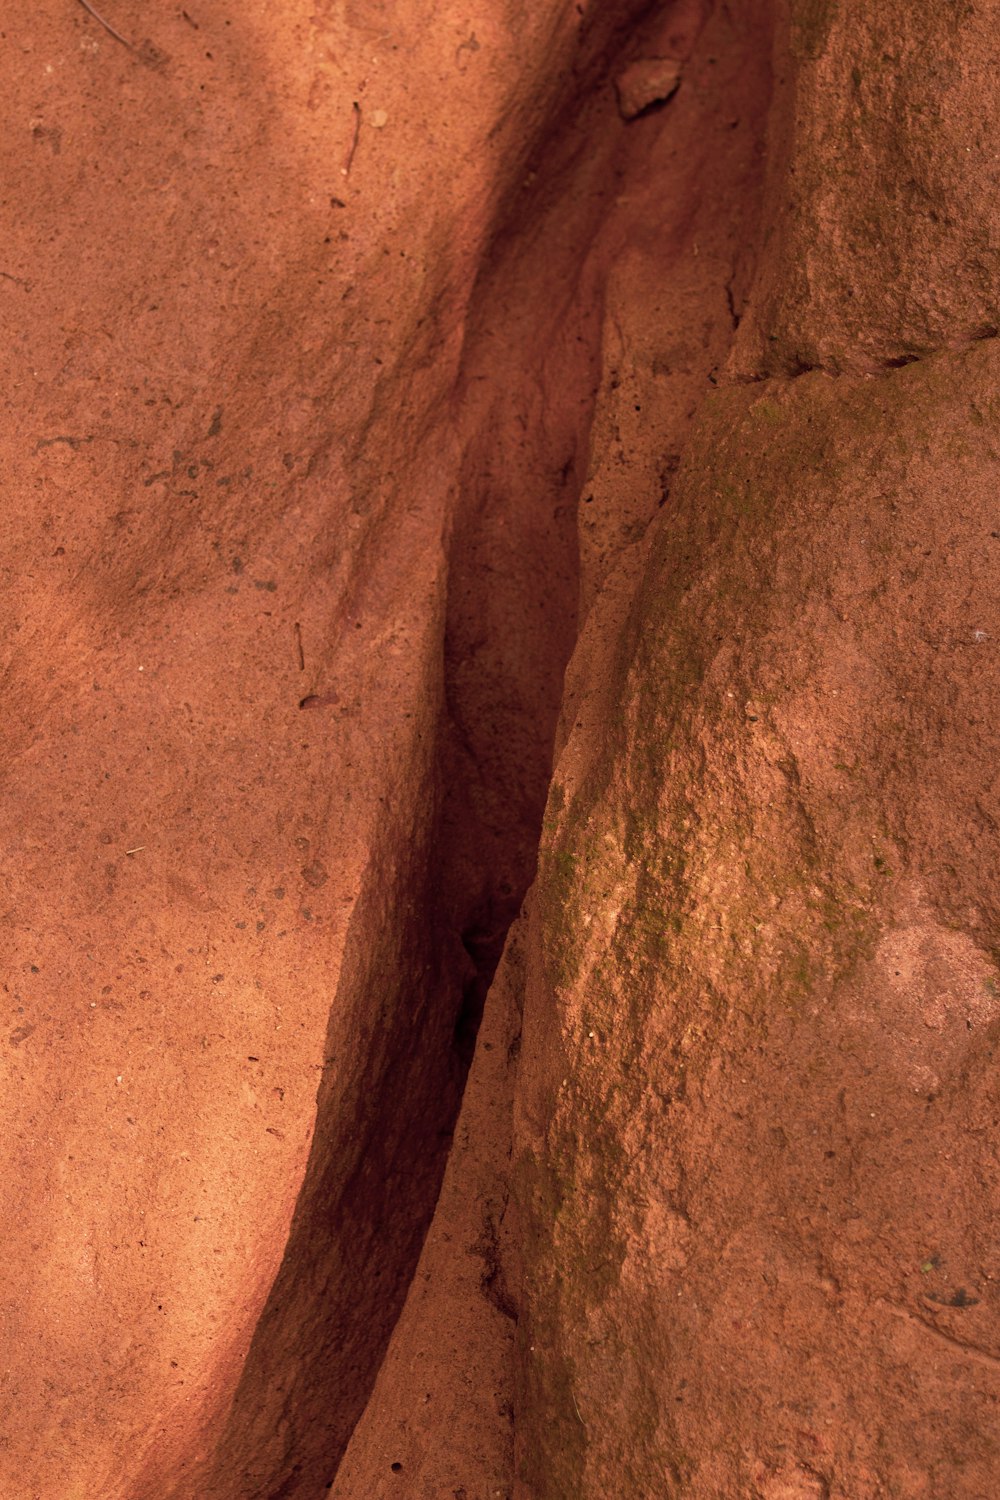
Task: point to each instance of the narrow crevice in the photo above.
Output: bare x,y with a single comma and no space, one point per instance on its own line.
524,403
794,369
453,864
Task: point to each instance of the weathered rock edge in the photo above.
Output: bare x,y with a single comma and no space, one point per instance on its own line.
754,1157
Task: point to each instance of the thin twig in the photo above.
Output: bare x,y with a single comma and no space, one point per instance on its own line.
107,25
345,170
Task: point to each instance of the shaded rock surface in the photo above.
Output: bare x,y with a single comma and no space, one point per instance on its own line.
883,221
245,931
754,1158
754,1123
754,1187
363,377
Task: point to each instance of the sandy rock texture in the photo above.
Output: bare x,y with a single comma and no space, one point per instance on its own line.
665,262
499,465
257,863
755,1157
883,224
440,1420
755,1126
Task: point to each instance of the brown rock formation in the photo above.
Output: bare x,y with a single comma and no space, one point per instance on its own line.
755,1154
755,1157
246,931
363,375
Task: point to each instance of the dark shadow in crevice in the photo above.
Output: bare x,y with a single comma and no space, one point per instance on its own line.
429,925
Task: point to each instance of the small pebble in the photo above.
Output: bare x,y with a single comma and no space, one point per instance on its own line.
649,81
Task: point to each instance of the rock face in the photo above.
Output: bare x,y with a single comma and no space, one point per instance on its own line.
755,1155
364,376
883,220
248,658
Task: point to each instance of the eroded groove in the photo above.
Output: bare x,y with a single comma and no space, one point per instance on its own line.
535,369
668,238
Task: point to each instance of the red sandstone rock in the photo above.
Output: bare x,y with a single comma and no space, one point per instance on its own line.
318,327
883,215
235,285
755,1168
441,1416
755,1155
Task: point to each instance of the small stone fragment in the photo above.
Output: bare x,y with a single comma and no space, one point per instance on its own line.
645,83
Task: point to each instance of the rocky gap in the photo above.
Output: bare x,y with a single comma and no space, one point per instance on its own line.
585,217
352,364
541,367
